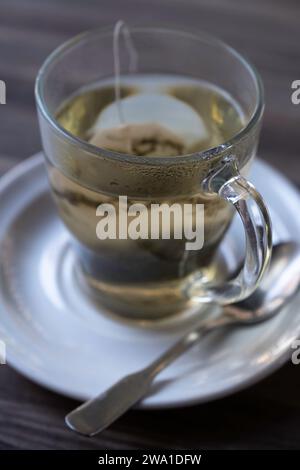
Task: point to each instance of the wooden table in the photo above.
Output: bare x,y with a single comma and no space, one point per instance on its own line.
268,31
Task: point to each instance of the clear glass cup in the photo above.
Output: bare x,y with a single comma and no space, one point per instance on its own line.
131,281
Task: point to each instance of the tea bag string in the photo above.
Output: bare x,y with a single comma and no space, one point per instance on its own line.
119,28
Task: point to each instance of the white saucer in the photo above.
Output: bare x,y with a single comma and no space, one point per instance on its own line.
57,338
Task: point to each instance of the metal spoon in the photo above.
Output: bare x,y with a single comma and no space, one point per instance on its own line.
278,286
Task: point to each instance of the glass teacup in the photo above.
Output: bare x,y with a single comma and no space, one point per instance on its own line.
150,278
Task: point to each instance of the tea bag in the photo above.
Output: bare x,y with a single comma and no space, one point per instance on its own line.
154,124
139,139
145,123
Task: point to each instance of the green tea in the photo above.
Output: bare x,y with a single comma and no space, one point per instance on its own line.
149,274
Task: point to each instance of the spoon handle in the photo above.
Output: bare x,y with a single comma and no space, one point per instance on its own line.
98,413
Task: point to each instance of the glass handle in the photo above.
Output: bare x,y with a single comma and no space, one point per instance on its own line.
227,182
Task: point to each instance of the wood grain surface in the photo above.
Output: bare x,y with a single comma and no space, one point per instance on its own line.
266,415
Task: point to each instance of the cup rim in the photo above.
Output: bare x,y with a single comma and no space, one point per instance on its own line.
100,152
